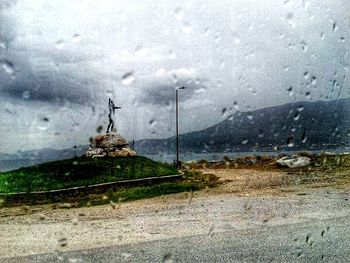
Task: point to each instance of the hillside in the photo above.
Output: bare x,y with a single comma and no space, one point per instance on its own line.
81,171
301,125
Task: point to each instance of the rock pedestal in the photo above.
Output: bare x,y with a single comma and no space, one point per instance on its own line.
109,144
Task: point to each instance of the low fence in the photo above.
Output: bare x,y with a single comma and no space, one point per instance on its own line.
82,192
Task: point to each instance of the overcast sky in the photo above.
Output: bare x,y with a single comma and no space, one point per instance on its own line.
61,60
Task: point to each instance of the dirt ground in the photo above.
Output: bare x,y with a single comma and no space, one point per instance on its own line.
244,198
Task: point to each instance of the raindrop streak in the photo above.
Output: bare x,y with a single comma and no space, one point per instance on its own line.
128,78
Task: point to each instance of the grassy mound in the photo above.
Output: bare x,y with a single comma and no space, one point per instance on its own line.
81,171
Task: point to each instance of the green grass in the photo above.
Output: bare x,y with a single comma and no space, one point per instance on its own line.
81,171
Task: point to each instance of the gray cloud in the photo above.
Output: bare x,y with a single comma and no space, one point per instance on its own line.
223,51
162,90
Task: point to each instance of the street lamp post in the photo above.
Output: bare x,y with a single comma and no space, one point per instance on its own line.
75,151
177,124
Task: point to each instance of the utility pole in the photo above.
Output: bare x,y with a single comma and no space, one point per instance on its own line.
177,124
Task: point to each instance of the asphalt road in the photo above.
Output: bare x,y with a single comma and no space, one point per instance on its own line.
315,241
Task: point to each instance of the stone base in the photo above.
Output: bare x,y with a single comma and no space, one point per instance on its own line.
110,144
124,152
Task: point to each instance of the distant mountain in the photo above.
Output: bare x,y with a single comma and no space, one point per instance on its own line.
300,125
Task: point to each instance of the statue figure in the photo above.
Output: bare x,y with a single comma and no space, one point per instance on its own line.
112,109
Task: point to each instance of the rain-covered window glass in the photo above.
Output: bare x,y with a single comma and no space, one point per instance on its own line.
174,131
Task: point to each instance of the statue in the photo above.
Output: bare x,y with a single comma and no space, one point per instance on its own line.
112,109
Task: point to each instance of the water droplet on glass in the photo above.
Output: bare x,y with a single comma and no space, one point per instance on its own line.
167,258
59,44
76,38
244,141
249,116
75,221
160,72
290,142
26,95
236,39
305,4
63,242
128,78
186,27
206,31
190,197
296,116
126,256
334,26
235,105
3,45
152,122
308,95
223,111
179,14
172,54
99,129
217,37
211,231
303,137
313,80
290,19
8,66
303,46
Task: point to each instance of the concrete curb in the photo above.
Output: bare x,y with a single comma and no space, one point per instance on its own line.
83,191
